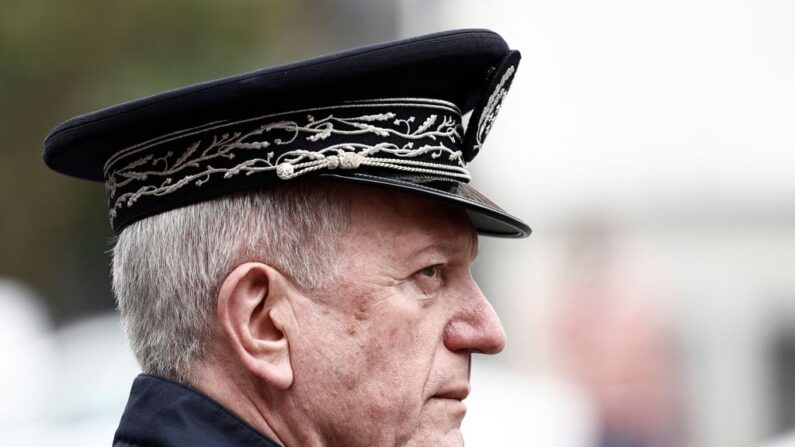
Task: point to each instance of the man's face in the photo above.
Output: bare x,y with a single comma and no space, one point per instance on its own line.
383,357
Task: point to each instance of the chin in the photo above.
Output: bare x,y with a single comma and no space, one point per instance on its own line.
427,438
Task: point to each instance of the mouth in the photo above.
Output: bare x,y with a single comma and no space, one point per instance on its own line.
458,392
450,400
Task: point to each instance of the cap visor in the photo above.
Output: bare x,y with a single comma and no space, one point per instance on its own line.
486,216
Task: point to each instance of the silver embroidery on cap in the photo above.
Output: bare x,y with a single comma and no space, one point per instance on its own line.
492,108
200,154
435,104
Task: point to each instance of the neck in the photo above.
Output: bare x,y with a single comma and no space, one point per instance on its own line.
229,393
241,394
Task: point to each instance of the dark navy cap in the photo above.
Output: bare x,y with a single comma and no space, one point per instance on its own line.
389,115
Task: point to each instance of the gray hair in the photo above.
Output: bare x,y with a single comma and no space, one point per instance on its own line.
168,268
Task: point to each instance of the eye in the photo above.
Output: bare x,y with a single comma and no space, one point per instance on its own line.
429,279
432,271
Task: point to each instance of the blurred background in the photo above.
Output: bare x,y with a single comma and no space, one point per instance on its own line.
650,145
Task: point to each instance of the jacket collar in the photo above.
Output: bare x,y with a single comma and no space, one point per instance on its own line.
164,413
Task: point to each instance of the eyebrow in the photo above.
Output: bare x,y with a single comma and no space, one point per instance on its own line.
451,250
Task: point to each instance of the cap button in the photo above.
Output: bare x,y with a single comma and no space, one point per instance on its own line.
284,171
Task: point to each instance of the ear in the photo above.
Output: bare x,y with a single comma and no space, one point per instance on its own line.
251,310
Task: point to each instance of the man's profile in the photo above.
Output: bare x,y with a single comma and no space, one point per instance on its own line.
294,245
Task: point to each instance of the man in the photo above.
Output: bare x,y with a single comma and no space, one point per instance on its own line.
294,250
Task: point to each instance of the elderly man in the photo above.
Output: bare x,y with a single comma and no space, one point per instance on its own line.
294,250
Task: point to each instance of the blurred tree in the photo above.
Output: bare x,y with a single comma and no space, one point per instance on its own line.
64,58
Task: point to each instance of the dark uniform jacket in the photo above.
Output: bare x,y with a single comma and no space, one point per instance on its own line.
162,413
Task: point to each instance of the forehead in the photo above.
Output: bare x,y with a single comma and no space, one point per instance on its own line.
400,221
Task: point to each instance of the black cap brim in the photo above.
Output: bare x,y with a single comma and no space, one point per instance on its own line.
486,216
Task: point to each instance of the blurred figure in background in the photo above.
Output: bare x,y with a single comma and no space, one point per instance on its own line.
614,342
59,386
27,353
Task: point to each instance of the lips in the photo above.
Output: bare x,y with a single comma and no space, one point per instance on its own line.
457,392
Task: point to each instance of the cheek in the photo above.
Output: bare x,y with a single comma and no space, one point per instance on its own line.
366,369
398,355
388,360
376,355
388,336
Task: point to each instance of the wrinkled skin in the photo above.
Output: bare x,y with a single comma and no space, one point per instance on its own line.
383,359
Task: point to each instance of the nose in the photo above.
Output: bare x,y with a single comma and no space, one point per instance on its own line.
475,326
